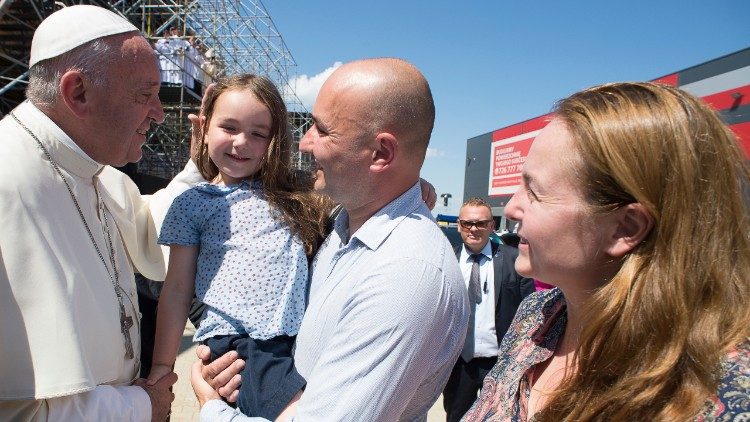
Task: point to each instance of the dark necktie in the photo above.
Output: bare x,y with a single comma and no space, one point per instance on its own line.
475,289
475,296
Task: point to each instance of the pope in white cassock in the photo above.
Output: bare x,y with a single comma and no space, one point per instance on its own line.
74,229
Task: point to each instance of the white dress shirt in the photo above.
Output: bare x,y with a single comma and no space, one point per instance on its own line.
485,338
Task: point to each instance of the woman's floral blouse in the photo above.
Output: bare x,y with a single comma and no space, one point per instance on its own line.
532,338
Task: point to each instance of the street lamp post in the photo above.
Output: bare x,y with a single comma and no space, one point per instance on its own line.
445,197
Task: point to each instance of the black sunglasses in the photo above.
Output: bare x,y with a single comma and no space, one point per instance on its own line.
480,224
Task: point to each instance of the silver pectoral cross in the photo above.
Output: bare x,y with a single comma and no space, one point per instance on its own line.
125,323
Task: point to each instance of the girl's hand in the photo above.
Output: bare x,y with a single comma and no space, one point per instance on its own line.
157,373
196,130
160,394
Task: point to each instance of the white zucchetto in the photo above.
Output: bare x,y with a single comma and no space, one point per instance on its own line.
74,26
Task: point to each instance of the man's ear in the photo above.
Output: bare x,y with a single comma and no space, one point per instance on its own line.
633,224
74,92
386,148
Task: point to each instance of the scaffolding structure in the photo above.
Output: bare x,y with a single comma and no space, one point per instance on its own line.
230,36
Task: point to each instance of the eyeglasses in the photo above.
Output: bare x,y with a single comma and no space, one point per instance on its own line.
480,224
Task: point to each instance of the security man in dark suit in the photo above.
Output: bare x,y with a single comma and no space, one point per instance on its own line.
495,291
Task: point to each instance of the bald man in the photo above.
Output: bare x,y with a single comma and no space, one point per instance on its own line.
388,312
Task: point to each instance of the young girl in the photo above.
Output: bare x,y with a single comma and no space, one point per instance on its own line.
241,243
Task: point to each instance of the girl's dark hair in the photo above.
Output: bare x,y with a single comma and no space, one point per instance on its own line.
288,192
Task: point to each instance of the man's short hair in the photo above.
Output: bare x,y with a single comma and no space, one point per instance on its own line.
92,59
405,103
477,202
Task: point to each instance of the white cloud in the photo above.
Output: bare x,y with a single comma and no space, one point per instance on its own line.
307,87
434,152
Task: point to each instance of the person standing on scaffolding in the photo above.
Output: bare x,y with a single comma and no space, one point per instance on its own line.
172,50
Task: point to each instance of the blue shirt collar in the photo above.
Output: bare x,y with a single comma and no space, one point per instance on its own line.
377,228
486,251
226,190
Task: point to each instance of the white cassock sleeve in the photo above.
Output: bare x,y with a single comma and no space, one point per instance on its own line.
103,403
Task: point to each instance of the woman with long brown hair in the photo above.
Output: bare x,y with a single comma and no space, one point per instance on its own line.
632,205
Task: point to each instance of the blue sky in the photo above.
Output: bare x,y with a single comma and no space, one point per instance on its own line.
491,64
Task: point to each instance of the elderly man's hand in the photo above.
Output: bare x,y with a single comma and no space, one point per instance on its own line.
160,394
223,374
429,196
196,133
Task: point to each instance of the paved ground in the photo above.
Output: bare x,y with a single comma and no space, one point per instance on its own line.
185,406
